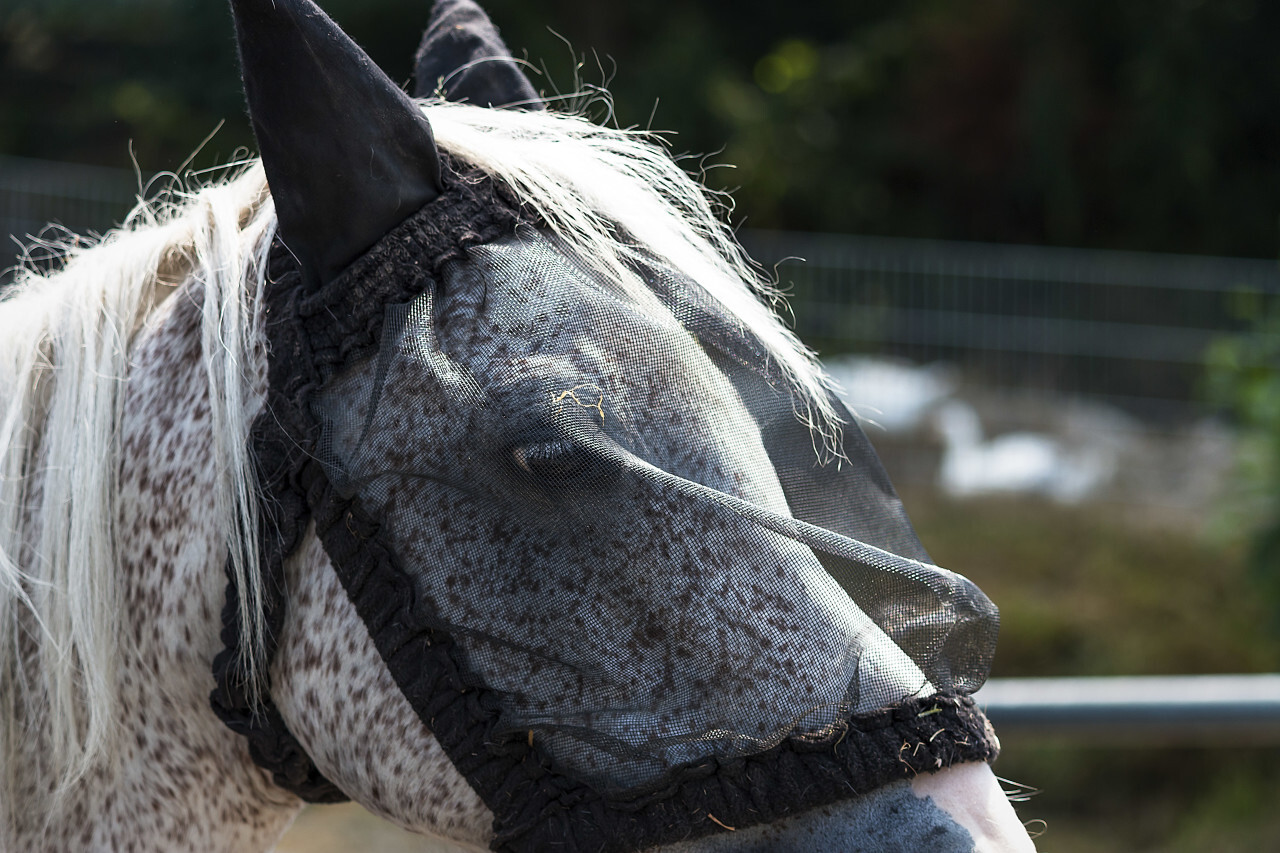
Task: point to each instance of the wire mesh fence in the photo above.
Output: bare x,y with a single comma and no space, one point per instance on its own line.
35,194
998,369
1126,327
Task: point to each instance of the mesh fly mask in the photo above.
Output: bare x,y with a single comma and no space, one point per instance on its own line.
592,540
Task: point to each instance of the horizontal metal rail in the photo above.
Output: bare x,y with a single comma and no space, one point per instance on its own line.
1138,710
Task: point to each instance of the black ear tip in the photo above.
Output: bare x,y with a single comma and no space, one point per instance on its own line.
348,156
463,58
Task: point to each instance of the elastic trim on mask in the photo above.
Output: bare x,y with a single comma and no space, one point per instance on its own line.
311,336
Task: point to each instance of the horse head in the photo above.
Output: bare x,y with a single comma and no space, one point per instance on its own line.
545,533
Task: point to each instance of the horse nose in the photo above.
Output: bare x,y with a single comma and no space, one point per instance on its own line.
891,819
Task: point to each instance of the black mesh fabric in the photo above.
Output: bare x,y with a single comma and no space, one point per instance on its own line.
601,492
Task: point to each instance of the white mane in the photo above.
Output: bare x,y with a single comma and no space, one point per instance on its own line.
64,358
64,350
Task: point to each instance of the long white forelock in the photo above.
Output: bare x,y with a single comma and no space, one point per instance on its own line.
582,178
64,351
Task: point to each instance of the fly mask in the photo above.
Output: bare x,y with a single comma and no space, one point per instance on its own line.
598,551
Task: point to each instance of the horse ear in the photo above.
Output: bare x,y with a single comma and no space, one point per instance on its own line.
463,56
348,155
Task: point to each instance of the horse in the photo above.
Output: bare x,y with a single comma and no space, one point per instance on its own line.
450,459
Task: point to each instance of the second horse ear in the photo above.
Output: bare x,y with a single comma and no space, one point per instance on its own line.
462,58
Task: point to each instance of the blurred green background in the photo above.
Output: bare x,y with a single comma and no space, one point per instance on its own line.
1149,124
1141,125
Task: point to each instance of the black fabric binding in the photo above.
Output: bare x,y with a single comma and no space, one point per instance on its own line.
307,344
313,336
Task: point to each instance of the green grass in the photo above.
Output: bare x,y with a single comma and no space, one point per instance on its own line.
1089,591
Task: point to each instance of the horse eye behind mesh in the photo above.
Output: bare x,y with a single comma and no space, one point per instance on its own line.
553,460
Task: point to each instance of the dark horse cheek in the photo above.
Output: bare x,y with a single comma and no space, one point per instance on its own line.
890,820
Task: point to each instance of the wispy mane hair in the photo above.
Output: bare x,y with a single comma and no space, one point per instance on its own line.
64,358
585,180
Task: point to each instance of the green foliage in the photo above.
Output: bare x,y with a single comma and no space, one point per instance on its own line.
1127,798
1244,377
